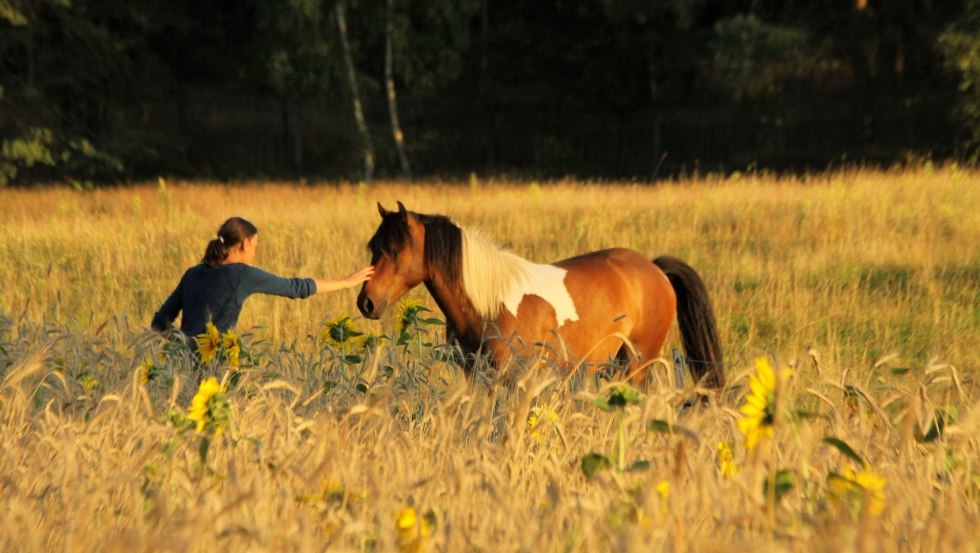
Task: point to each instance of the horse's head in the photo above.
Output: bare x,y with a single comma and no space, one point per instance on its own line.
398,255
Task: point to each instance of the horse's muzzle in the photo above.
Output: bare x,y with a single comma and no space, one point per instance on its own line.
366,306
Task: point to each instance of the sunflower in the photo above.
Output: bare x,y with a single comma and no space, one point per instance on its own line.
145,369
342,334
412,530
232,347
760,405
407,315
857,488
725,459
537,420
89,382
208,342
209,407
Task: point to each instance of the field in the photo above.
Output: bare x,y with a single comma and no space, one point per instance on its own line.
860,288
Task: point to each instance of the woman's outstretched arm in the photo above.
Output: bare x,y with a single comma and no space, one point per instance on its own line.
353,279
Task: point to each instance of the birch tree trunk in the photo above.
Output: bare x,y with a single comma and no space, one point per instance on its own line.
396,129
657,138
366,145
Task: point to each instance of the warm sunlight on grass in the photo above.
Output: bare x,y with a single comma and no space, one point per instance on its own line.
850,299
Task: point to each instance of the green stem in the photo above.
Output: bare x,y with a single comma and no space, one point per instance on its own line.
621,457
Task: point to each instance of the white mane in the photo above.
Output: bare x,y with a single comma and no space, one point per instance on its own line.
494,279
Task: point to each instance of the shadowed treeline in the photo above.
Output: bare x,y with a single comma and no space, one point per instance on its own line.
102,91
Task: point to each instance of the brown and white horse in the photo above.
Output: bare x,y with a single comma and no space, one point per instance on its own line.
584,308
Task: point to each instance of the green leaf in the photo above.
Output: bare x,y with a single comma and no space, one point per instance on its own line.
623,395
594,462
434,321
783,481
601,403
842,446
430,517
941,418
202,450
661,426
352,359
637,466
804,414
900,370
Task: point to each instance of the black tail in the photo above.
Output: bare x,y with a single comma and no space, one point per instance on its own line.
697,322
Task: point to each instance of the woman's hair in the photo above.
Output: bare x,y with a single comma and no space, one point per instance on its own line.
233,232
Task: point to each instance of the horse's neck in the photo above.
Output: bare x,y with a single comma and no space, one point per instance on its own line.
461,315
492,275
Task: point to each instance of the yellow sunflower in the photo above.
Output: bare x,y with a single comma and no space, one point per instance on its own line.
342,334
759,409
208,342
89,382
145,369
412,530
232,347
856,488
407,314
726,459
538,420
209,407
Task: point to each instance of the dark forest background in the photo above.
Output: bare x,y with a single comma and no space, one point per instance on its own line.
95,91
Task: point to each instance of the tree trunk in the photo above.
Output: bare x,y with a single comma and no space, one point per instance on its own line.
292,135
658,155
30,53
396,129
366,145
486,100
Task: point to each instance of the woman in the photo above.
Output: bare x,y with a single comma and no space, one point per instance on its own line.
215,290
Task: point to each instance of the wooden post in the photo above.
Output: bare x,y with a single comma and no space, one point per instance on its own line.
678,368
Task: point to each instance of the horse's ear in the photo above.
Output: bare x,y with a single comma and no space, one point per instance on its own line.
382,210
402,211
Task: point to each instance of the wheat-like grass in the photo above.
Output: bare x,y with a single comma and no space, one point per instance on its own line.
846,278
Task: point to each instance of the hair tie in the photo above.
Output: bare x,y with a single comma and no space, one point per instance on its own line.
221,239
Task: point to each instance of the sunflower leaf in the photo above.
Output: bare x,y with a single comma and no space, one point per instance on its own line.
842,446
781,481
637,466
593,462
661,426
202,450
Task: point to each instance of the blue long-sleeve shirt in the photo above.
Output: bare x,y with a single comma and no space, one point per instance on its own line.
217,294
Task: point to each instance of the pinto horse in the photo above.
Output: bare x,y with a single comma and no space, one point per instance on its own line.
596,307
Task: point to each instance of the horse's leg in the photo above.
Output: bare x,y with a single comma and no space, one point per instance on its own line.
647,341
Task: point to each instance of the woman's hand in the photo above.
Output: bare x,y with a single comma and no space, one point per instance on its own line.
360,275
353,279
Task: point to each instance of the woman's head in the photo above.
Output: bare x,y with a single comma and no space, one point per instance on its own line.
236,236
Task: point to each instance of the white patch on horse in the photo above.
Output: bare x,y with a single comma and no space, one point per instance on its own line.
548,283
494,279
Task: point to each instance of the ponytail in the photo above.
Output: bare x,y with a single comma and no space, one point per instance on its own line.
234,231
215,253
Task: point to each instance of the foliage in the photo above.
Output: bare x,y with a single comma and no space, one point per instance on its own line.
960,44
757,59
128,89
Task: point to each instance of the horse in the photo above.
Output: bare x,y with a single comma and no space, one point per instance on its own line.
605,306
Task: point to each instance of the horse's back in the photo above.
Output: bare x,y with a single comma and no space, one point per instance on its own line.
618,291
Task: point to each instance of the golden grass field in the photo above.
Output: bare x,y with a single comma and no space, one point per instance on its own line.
861,288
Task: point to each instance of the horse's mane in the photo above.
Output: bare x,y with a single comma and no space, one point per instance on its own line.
487,273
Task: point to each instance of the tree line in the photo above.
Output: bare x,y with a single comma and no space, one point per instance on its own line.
96,91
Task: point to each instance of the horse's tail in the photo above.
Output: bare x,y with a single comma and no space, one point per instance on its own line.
696,321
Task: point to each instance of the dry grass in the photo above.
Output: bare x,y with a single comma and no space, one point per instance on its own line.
843,277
